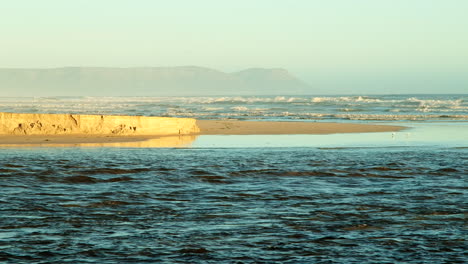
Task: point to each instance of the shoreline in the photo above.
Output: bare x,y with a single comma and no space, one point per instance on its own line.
207,127
234,127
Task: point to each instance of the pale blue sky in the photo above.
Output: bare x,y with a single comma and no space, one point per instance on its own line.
313,39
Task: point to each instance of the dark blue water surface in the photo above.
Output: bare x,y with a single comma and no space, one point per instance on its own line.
233,205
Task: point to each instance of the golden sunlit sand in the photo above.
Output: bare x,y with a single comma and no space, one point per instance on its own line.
220,127
137,131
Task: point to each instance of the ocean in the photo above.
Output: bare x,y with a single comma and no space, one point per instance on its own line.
276,108
340,198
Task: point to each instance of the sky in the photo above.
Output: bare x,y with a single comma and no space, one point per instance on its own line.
380,46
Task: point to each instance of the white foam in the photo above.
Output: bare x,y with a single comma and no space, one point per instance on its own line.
348,99
240,108
259,107
212,108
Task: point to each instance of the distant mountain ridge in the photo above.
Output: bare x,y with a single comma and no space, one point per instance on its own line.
147,81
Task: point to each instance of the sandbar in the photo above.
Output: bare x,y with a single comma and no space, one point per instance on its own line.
234,127
205,127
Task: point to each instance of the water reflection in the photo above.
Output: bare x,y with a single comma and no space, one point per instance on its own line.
161,142
417,134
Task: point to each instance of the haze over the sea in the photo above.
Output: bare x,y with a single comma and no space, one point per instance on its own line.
149,81
356,46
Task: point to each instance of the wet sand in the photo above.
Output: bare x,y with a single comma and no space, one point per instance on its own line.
207,127
66,139
221,127
96,141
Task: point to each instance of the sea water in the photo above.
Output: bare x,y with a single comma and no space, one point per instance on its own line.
343,198
307,108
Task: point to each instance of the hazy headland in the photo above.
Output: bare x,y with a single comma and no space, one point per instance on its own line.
148,81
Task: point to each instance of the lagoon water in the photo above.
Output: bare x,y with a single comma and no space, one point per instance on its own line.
344,198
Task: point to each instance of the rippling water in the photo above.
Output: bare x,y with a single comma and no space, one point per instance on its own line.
376,107
233,205
356,198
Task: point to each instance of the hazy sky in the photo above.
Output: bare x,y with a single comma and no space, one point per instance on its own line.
318,40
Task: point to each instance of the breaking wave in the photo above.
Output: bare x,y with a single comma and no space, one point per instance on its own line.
378,107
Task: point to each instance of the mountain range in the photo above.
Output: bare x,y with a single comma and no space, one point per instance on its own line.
148,81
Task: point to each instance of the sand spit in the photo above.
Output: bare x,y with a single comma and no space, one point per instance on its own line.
221,127
97,125
141,131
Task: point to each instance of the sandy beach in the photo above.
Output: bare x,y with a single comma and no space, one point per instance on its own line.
206,127
215,127
66,139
